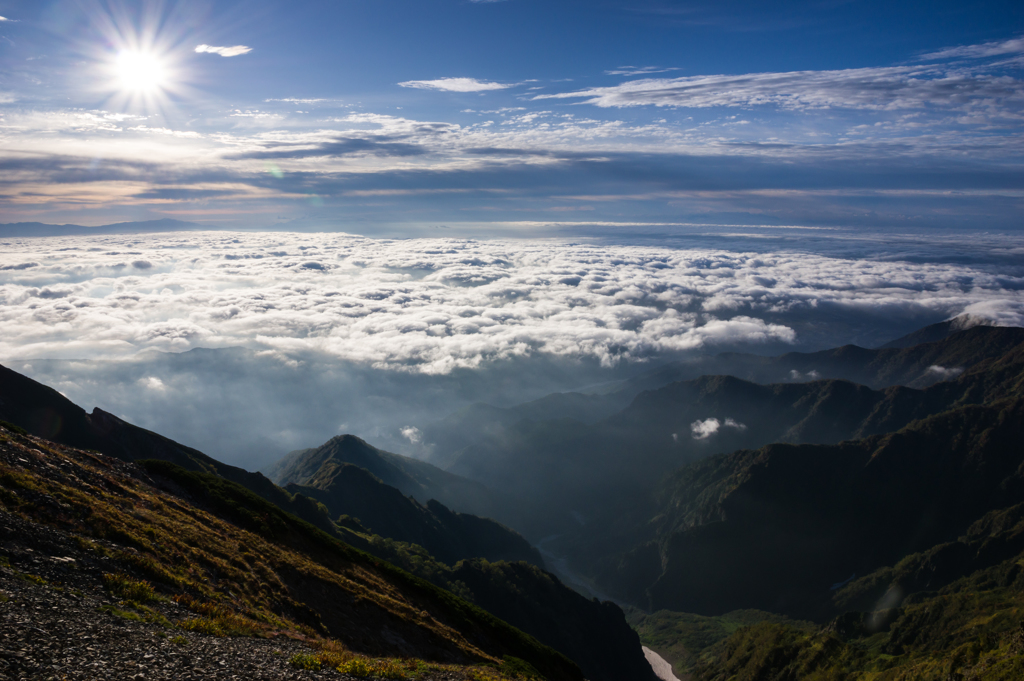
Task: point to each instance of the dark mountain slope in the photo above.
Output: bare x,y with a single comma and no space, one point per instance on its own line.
450,537
952,612
935,332
592,632
910,365
412,477
773,528
599,472
952,352
482,421
44,412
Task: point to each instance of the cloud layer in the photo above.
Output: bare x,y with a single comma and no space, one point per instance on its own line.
436,305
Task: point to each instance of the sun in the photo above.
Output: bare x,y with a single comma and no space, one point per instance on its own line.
140,72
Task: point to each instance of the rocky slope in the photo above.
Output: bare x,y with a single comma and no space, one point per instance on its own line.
235,564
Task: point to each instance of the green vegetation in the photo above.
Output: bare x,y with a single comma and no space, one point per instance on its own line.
31,579
124,587
123,614
952,636
393,668
681,638
519,668
13,428
252,512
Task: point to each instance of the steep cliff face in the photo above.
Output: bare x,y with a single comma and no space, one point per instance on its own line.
592,632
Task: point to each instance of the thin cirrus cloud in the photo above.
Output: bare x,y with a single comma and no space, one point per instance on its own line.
233,51
638,70
991,49
455,85
879,89
351,146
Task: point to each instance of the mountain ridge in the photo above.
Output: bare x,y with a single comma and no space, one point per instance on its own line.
33,229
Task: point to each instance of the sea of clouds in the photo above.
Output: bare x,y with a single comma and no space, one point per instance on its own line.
296,337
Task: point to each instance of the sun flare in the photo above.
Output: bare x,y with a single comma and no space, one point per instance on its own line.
140,72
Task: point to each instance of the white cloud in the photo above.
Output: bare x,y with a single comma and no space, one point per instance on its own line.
253,113
944,373
224,51
991,49
879,89
152,383
455,85
6,19
412,434
437,305
702,430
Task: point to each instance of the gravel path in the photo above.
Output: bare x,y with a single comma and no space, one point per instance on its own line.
52,625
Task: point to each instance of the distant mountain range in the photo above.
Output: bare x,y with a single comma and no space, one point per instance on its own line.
599,471
22,229
905,361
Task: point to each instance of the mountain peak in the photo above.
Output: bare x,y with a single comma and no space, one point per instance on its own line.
937,332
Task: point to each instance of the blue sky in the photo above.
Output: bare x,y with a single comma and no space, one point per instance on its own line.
500,117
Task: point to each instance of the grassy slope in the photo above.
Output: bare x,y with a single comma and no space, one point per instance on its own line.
236,558
681,638
970,629
952,613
